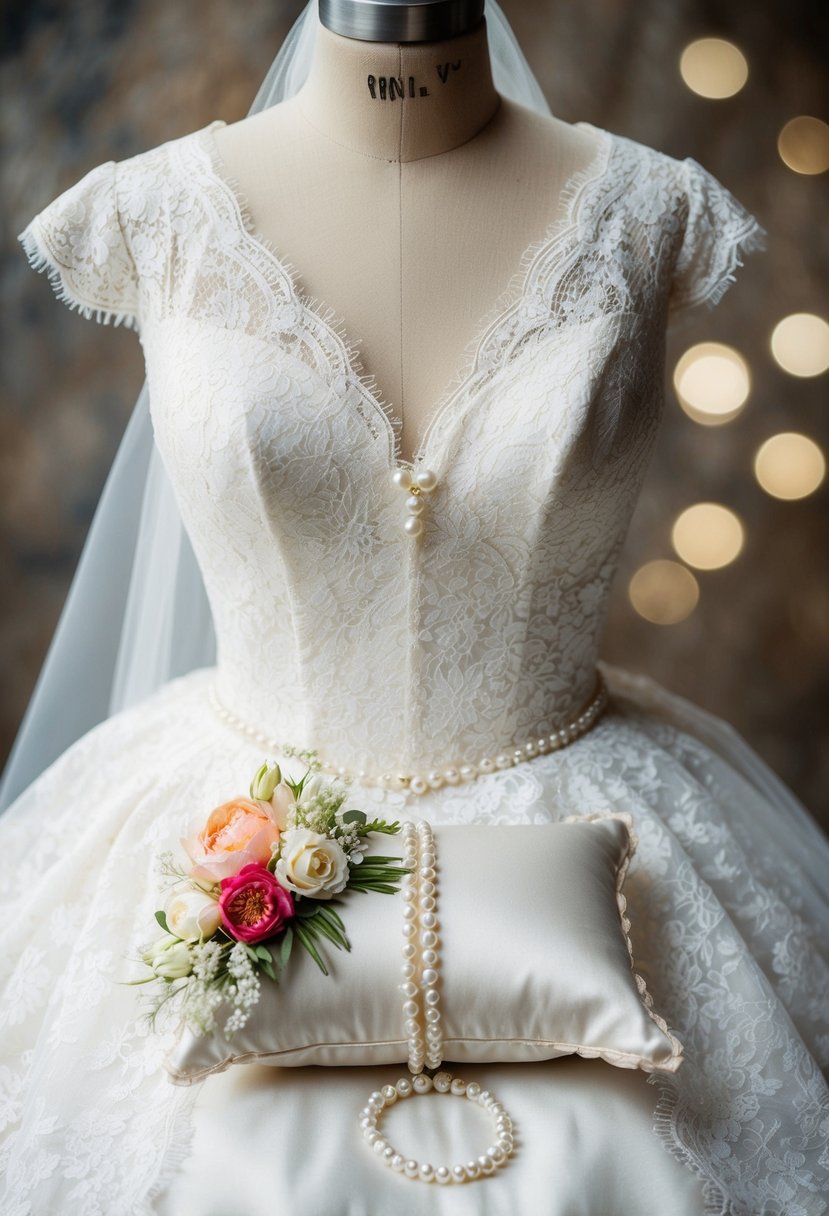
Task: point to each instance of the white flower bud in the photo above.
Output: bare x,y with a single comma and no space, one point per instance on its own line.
265,782
173,962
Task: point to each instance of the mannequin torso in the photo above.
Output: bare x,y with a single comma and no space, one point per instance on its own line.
408,216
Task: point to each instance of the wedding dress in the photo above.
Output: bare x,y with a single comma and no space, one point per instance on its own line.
337,630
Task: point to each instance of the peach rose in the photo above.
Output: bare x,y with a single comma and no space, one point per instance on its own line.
236,834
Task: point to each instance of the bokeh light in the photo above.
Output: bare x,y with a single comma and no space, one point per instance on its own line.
664,592
800,344
713,67
803,144
789,465
707,536
712,382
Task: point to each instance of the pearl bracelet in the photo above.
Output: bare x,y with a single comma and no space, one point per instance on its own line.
497,1154
424,783
421,976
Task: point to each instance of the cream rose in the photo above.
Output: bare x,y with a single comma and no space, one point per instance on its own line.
312,864
192,914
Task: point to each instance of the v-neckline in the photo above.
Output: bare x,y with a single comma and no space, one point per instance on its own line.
334,328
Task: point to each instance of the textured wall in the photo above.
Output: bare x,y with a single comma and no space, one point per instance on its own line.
84,83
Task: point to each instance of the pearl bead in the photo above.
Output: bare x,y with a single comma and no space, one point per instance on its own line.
428,920
403,1087
472,1169
418,786
426,479
422,1085
398,1162
442,1175
427,1171
429,976
411,1169
402,478
459,1173
441,1082
473,1089
429,938
413,525
458,1087
435,780
415,504
452,776
430,958
466,772
389,1094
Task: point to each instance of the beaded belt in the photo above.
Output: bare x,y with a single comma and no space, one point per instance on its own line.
423,783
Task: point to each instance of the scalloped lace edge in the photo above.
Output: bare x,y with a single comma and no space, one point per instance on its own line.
332,325
41,259
673,1061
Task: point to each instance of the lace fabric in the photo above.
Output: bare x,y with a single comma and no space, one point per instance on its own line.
334,631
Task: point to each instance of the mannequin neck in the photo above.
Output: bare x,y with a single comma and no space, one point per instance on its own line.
353,93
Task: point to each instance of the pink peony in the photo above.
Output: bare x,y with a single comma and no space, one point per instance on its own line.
253,905
236,834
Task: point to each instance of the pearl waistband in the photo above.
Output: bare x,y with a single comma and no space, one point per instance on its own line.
435,778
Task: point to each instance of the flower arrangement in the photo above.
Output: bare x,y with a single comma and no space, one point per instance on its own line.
264,875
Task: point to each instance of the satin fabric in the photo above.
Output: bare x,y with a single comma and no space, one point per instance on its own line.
583,1130
534,964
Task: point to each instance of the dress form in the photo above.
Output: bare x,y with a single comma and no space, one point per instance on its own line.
408,216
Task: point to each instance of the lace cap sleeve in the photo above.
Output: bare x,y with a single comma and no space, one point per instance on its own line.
79,241
717,231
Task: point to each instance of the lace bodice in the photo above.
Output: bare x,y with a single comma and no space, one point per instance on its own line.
335,629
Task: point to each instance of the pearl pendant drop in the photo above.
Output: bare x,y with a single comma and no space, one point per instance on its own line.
415,486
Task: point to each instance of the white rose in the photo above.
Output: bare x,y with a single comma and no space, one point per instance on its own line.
170,958
312,864
192,914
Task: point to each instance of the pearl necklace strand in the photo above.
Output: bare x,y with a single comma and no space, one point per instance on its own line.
424,783
421,1005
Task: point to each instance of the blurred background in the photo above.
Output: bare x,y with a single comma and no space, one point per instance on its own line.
723,590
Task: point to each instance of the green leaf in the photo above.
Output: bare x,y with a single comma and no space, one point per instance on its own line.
383,888
355,817
285,948
306,941
263,952
331,912
162,920
267,967
322,926
380,825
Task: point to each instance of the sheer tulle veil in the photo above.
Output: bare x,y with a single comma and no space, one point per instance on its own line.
137,613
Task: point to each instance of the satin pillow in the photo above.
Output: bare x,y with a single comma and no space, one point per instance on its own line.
536,962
